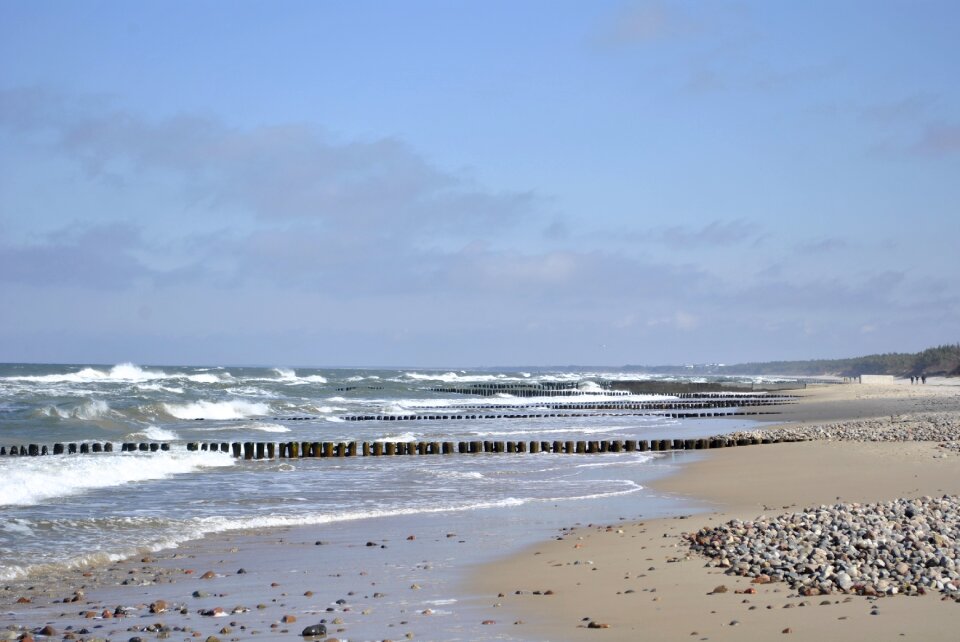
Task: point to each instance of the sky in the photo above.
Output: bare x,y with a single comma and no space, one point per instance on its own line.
468,184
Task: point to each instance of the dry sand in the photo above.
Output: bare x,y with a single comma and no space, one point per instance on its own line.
639,581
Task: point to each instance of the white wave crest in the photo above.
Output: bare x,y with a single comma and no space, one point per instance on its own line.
32,481
159,387
452,377
156,433
120,372
87,411
267,427
232,409
406,436
206,377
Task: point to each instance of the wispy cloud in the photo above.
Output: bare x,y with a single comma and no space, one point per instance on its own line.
824,245
938,140
907,109
358,188
96,257
645,22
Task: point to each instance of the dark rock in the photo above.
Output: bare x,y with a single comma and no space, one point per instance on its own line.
314,630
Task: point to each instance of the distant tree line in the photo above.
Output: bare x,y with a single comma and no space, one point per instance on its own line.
939,361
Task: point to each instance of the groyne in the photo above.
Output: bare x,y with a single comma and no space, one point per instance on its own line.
250,450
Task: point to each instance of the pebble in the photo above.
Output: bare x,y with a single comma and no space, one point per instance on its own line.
924,426
908,546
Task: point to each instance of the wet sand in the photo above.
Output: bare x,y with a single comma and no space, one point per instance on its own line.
638,580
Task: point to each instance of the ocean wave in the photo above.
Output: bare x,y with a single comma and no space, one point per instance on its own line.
120,372
232,409
453,377
207,377
159,387
548,431
266,427
289,377
199,527
405,437
90,410
33,481
631,487
155,433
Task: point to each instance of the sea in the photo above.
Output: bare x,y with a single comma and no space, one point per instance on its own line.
68,511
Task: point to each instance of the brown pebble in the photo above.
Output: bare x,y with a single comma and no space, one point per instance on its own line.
489,622
787,630
23,600
287,619
209,575
719,589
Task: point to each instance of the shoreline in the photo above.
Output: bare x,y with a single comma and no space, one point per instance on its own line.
417,579
640,578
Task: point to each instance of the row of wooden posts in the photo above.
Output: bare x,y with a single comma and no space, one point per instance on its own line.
296,450
525,415
34,450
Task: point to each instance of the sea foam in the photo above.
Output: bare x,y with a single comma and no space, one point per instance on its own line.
29,481
232,409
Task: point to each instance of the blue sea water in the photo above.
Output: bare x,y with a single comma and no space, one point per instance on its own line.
71,510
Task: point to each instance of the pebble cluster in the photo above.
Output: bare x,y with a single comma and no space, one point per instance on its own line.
908,546
928,426
905,546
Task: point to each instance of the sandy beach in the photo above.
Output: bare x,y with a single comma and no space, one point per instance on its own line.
633,580
629,579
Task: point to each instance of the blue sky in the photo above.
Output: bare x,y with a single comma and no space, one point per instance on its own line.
483,183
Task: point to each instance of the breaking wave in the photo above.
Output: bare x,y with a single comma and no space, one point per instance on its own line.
233,409
32,481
